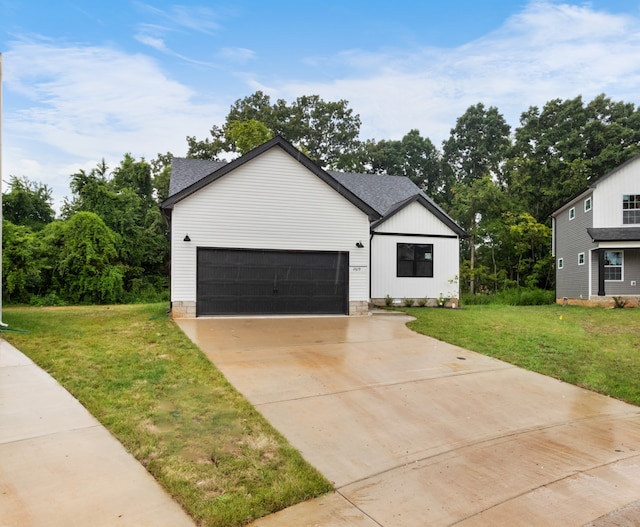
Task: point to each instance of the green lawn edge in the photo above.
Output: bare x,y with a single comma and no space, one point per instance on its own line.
591,347
159,395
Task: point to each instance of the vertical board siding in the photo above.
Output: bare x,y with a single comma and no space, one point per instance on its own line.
271,202
414,219
572,238
609,194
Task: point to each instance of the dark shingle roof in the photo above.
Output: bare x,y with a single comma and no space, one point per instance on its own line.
381,192
615,234
380,196
185,172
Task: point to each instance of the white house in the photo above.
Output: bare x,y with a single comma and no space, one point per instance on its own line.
272,233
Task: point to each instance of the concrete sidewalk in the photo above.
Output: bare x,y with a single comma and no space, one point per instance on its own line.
60,467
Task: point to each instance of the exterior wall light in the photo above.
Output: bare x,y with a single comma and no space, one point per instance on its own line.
359,245
187,239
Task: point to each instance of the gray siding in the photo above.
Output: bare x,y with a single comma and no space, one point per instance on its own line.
630,273
571,239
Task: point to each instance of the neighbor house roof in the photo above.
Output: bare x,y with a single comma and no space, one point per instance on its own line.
585,192
615,234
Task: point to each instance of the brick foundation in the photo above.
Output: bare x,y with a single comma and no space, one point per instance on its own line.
600,301
358,308
183,309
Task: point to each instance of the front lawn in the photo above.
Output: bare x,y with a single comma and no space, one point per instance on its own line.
595,348
141,377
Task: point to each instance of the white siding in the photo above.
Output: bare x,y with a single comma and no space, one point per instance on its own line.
270,202
607,196
414,219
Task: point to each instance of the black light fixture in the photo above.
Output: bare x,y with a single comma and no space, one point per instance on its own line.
186,238
359,245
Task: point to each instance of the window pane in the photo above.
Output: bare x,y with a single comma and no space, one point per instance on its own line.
612,258
414,259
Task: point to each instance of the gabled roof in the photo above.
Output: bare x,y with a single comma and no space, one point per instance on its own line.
388,195
615,234
187,172
585,192
379,196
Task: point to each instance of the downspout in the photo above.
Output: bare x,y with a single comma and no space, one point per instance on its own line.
370,259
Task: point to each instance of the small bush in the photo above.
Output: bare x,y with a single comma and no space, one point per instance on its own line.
388,301
408,302
422,302
619,302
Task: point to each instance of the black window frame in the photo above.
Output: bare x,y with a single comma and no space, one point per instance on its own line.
412,261
630,209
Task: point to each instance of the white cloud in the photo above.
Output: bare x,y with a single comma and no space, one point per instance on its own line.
545,52
237,54
76,105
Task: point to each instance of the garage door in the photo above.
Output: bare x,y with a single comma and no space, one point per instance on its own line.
247,281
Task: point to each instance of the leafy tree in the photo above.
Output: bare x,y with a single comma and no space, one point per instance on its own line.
161,173
28,203
414,157
21,275
478,145
247,135
87,260
326,131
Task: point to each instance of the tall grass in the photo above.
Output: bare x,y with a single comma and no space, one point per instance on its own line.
511,297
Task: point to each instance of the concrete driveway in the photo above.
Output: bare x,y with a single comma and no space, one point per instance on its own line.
413,431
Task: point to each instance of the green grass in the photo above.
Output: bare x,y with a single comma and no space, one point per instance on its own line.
595,348
141,377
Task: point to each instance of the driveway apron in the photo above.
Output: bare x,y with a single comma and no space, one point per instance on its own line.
413,431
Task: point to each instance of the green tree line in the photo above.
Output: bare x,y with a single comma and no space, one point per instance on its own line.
110,244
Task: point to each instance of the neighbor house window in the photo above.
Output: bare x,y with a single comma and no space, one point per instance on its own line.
572,213
631,208
581,259
415,259
587,204
560,263
613,262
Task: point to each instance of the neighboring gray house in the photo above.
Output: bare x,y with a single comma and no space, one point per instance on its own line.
596,239
272,233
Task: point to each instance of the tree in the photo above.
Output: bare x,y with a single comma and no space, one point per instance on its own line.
326,131
28,203
21,264
478,145
87,260
414,157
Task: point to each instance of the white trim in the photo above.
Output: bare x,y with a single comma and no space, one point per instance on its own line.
583,259
621,267
560,263
572,213
589,202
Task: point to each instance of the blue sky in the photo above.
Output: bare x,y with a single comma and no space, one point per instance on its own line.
84,80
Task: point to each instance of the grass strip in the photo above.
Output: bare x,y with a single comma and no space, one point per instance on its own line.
591,347
143,379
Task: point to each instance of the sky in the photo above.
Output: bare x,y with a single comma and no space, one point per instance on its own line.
85,81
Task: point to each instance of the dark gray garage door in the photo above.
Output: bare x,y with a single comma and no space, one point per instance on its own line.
248,281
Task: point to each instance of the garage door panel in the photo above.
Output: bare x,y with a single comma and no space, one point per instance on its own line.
245,281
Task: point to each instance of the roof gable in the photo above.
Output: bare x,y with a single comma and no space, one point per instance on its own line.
196,178
585,192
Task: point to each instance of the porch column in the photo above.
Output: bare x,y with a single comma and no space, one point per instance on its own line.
601,272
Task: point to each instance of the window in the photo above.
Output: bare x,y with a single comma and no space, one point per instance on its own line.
572,213
415,259
613,262
587,204
581,259
560,263
631,208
